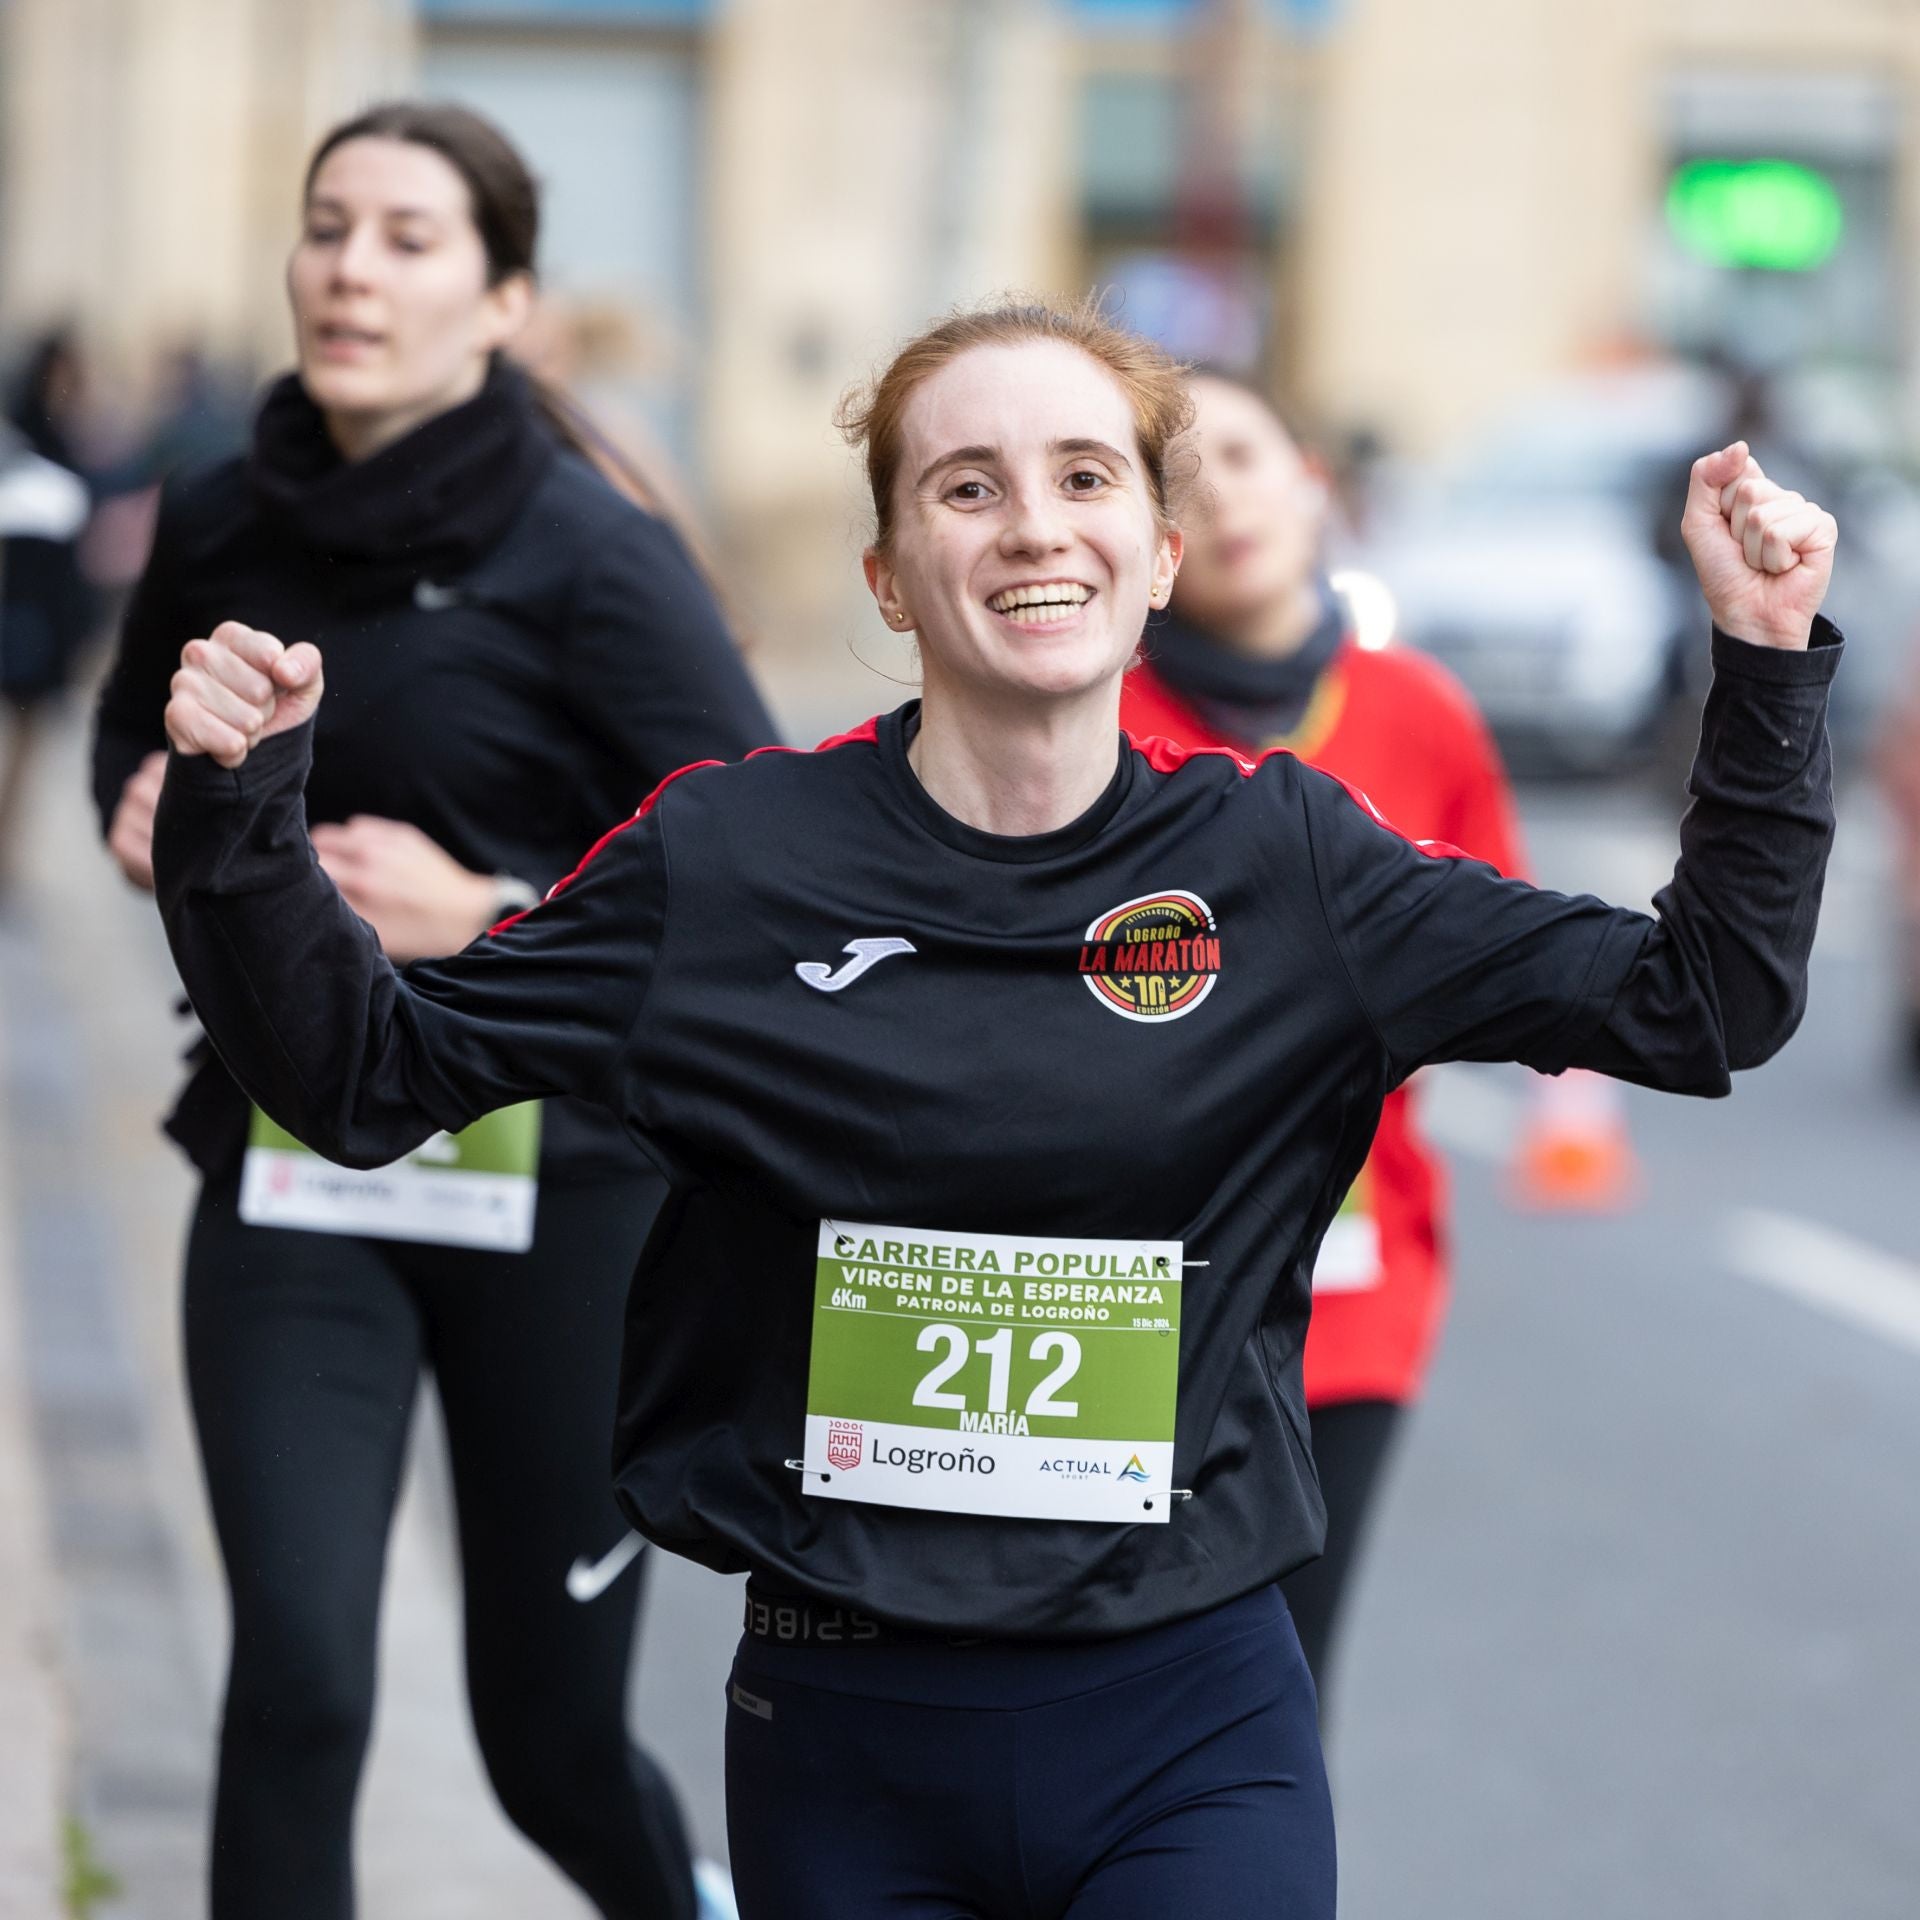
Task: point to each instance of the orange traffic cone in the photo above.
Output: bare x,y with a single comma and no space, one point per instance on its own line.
1575,1155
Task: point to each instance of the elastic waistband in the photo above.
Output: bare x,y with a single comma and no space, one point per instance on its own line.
792,1620
839,1649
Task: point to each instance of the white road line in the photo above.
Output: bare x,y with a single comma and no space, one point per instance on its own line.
1828,1270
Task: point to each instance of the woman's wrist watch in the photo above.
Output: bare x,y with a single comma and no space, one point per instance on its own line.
511,895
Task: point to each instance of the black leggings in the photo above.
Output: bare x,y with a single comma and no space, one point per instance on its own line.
1169,1772
1351,1440
303,1353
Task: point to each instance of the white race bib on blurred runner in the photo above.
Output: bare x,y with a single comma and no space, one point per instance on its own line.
475,1188
1350,1259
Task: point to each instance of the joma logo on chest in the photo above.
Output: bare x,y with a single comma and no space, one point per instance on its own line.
867,954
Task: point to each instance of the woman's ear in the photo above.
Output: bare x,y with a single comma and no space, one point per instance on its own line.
1316,485
1173,544
884,585
508,306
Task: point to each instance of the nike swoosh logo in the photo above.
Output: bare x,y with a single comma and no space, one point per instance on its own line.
589,1579
866,953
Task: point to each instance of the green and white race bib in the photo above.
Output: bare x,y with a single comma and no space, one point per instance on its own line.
475,1188
1032,1378
1350,1259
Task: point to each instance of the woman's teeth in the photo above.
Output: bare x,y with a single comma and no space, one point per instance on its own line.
1042,606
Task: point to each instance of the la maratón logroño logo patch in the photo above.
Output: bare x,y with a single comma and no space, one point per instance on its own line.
845,1440
1153,958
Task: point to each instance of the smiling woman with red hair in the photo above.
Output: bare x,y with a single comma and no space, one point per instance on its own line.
972,1331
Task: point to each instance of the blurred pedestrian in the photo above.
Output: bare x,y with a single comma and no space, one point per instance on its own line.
46,607
580,352
983,1017
1259,652
201,415
48,398
590,351
523,654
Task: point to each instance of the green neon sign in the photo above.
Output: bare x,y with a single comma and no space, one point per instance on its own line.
1773,214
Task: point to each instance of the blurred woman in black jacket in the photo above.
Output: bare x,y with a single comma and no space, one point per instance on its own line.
522,654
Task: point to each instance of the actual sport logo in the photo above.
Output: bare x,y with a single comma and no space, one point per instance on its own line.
1154,958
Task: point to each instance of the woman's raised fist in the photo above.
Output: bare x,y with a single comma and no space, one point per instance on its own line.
1764,555
238,687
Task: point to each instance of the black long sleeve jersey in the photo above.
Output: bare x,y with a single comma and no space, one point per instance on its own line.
509,712
1173,1020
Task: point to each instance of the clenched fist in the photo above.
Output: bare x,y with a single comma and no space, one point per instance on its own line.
238,687
1764,555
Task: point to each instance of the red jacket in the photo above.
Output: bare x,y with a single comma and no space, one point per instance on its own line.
1397,725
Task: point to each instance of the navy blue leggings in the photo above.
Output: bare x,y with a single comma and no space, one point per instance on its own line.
1173,1771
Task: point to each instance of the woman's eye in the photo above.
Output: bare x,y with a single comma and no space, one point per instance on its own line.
323,236
967,491
1085,480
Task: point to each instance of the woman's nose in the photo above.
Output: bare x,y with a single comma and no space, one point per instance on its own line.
356,258
1034,523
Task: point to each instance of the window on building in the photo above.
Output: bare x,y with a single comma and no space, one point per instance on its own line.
1181,221
609,121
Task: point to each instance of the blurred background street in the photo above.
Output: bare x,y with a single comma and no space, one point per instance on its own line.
1637,1631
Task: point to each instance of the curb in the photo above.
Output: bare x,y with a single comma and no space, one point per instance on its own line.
36,1743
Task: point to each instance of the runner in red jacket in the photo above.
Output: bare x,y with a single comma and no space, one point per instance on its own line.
1259,653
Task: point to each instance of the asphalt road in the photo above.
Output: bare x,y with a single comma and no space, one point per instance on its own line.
1638,1636
1637,1630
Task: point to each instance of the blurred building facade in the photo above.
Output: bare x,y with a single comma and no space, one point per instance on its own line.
1408,213
1494,181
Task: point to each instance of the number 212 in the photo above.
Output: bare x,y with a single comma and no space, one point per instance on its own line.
998,1347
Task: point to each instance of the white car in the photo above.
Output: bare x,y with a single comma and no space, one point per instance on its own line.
1529,565
1564,628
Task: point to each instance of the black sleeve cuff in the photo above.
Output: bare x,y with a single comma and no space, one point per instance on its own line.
1783,666
282,761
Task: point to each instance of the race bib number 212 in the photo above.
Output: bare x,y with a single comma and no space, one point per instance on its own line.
1025,1376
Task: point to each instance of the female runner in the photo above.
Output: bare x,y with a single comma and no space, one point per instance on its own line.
1256,653
519,653
990,1057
